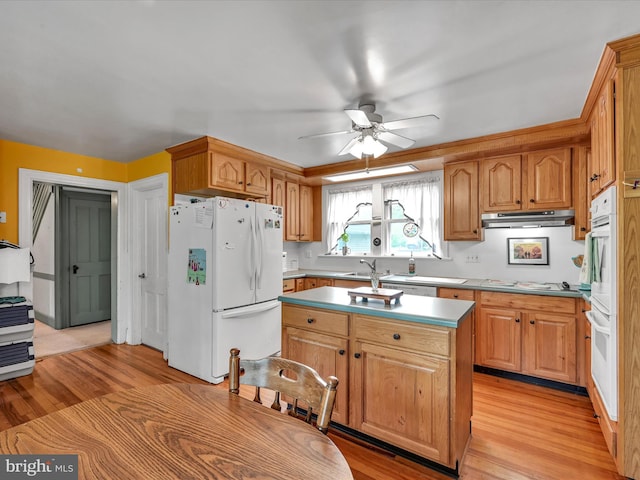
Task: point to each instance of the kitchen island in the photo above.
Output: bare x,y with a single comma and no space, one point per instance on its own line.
405,369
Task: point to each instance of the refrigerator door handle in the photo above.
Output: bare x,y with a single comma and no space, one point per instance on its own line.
259,248
252,254
251,309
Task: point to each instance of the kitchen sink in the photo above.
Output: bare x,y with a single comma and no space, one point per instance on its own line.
355,274
417,278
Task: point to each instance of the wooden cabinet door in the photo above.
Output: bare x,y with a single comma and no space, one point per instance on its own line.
305,222
602,168
227,172
278,193
257,179
328,355
498,338
190,173
581,197
549,179
310,282
300,284
292,211
402,398
549,346
501,184
461,202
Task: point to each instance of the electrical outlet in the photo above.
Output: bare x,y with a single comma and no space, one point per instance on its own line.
307,253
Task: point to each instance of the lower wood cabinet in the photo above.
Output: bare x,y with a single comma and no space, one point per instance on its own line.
329,356
405,383
400,396
530,334
315,282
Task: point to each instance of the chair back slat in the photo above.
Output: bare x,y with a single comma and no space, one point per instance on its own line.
289,378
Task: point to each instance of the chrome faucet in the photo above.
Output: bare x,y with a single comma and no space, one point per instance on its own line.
371,266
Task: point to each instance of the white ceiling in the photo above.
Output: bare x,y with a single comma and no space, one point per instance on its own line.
121,80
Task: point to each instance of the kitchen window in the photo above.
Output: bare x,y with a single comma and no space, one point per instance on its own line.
398,217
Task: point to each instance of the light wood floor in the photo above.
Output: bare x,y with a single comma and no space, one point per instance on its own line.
520,431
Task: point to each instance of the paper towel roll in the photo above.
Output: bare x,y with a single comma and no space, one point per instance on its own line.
14,265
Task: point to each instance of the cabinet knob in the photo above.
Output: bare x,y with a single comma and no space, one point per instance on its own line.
341,352
396,336
357,355
517,320
475,230
240,182
310,320
531,200
455,295
518,202
595,415
248,184
587,337
532,322
583,229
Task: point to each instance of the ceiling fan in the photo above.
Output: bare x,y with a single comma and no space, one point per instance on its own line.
373,132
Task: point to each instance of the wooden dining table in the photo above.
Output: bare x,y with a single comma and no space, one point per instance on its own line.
180,431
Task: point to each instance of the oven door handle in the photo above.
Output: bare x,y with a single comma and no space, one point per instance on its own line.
598,305
596,326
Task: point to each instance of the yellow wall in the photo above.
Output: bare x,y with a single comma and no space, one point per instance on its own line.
149,166
14,156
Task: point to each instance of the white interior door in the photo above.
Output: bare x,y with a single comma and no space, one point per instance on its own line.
150,253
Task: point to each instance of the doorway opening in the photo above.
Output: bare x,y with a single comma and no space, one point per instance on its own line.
119,256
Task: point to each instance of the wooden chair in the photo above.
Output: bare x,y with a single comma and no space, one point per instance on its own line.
291,378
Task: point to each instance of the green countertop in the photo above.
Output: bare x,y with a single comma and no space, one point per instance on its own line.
469,283
428,310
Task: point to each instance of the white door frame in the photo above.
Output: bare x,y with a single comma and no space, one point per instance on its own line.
159,181
26,178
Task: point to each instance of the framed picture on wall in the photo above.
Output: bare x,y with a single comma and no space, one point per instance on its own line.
528,251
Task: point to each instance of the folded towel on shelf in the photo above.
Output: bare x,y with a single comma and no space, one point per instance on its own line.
15,265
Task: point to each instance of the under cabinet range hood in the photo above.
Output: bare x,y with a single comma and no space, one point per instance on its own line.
544,218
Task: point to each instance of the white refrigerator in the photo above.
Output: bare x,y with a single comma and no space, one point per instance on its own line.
225,275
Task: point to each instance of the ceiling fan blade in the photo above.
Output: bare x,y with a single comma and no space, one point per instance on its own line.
349,146
409,122
317,135
359,118
395,139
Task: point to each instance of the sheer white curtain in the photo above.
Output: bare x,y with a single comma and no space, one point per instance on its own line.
421,200
341,207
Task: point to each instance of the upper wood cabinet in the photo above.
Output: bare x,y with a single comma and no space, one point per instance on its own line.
539,180
461,208
298,212
602,162
208,167
581,196
548,179
278,192
501,183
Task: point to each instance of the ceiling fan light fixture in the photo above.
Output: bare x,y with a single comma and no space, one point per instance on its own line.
367,145
371,173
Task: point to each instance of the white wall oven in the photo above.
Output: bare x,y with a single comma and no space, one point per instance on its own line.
603,314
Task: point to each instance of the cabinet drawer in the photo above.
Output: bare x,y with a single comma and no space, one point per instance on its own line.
457,293
326,321
289,285
412,336
528,302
